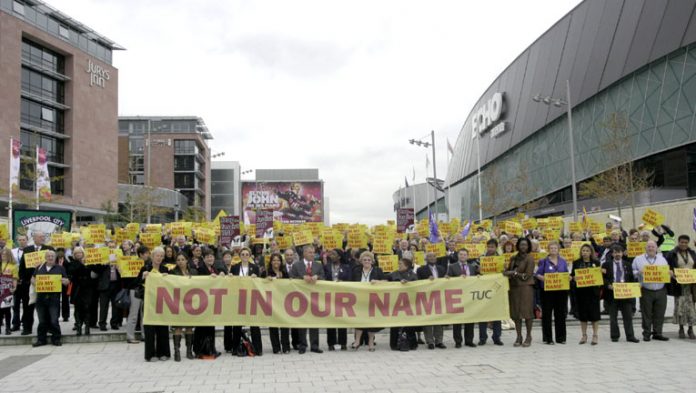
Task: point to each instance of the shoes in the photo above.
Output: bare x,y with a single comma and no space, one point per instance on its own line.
15,328
354,347
481,342
26,332
441,346
164,358
660,337
133,341
344,347
583,340
595,340
38,344
286,351
371,349
103,328
457,345
614,340
498,342
114,327
682,335
646,338
560,342
431,346
631,340
57,344
331,348
549,342
148,359
527,342
470,345
301,351
78,330
518,342
316,350
276,351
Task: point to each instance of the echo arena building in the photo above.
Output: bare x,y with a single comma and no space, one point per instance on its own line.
627,69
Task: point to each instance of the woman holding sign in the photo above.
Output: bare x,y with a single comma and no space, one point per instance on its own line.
553,299
9,275
587,298
521,275
156,337
682,257
182,269
367,273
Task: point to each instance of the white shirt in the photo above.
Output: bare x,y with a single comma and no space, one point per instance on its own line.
643,260
243,271
433,270
17,254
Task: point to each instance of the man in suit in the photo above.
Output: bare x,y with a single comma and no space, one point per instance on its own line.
491,250
463,268
17,306
618,269
108,286
335,270
25,275
290,257
48,303
310,271
430,271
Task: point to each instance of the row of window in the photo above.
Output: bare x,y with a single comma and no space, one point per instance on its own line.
42,85
42,116
43,57
27,174
54,146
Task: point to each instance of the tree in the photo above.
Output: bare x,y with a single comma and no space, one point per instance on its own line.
495,198
135,207
194,212
619,183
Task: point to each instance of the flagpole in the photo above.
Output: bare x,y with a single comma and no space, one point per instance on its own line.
478,176
415,212
36,180
447,195
9,206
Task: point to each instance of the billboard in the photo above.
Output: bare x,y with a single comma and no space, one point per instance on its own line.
25,222
291,202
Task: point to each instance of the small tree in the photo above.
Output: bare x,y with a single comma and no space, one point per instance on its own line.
135,207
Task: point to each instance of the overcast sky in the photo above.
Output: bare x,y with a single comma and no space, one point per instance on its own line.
340,86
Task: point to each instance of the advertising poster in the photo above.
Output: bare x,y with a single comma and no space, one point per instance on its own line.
290,202
26,222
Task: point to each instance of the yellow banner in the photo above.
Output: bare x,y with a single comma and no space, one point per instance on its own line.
556,282
635,248
590,277
653,218
34,259
221,301
656,274
626,290
492,264
129,266
48,283
685,276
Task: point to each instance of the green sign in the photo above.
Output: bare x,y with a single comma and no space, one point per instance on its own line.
25,222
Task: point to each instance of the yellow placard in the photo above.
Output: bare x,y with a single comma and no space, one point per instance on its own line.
382,244
284,242
556,281
86,235
656,274
508,256
590,277
635,248
356,238
595,227
200,301
61,240
97,256
208,236
529,224
48,283
626,290
151,239
575,227
569,254
537,256
492,264
474,249
98,233
129,266
153,228
388,263
302,237
438,248
181,228
551,234
4,232
685,276
34,259
653,218
419,258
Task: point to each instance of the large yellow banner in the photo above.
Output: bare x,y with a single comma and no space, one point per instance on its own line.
220,301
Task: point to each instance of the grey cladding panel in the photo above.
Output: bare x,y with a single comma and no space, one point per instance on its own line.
621,44
601,46
648,25
583,56
674,24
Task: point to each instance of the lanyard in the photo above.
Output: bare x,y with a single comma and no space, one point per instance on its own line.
366,277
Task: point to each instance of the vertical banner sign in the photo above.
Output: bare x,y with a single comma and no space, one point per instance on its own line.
43,181
404,219
26,222
14,166
264,222
229,229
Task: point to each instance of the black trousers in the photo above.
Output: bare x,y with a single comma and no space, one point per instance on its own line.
82,308
254,332
295,338
624,306
555,302
106,298
65,303
22,302
652,309
48,312
227,339
336,337
156,341
410,333
94,308
6,316
313,338
280,339
468,333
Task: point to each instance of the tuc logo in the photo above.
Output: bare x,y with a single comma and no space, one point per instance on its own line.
97,74
487,114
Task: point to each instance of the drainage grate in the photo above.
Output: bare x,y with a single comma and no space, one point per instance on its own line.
15,363
477,369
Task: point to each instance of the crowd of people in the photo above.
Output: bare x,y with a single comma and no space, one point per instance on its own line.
98,292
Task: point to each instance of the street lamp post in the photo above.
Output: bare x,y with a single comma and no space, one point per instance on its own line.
419,142
558,102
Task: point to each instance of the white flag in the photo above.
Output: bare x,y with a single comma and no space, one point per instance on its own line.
414,175
43,181
15,150
427,162
449,147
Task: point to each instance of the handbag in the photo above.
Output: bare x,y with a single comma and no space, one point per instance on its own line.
32,294
7,302
140,292
122,299
402,343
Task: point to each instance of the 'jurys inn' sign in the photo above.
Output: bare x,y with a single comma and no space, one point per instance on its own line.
97,74
486,117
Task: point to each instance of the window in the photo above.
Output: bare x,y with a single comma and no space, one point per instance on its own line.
222,188
222,174
18,7
137,179
43,57
64,32
136,146
184,163
57,176
185,146
41,116
184,180
136,163
54,147
27,174
41,85
190,195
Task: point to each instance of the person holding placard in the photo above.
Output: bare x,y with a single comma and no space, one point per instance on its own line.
182,269
653,300
83,289
520,271
335,270
587,298
25,275
310,271
135,310
9,275
280,337
156,337
48,303
618,269
403,275
682,257
17,252
430,271
245,268
204,336
555,301
368,273
463,268
491,250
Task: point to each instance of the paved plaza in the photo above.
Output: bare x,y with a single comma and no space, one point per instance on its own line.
607,367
